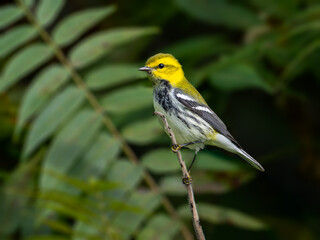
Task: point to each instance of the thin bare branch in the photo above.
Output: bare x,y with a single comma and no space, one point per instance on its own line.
187,182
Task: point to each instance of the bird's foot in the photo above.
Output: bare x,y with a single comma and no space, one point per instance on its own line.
175,147
186,180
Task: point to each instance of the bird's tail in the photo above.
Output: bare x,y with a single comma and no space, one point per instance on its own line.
249,159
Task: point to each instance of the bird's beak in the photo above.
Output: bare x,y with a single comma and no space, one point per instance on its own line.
145,69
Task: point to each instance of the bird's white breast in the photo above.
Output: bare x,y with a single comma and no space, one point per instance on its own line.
177,117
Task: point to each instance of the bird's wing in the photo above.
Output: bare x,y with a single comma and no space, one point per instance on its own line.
205,112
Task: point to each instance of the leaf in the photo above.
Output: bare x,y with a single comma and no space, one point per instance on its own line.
102,152
67,204
172,185
125,173
73,26
95,46
159,227
59,226
28,3
43,86
91,186
218,162
24,62
48,237
48,10
130,207
52,117
15,37
250,51
27,225
220,13
161,161
83,231
9,14
15,194
127,99
281,9
70,142
222,215
293,67
238,77
112,75
128,222
203,183
142,132
197,48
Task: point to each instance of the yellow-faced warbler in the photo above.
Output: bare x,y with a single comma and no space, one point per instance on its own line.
192,121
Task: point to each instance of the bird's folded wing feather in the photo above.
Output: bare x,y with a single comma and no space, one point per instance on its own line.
205,112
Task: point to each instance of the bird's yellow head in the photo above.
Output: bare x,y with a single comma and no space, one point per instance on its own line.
164,66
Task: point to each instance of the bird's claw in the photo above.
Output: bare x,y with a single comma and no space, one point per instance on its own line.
186,180
175,147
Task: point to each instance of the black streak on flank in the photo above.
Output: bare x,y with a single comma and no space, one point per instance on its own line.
184,121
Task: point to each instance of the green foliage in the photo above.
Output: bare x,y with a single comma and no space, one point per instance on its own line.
117,74
71,28
219,162
142,132
127,99
44,85
80,166
220,12
9,14
47,11
160,226
238,77
23,63
52,116
94,47
15,37
220,215
69,144
160,161
82,101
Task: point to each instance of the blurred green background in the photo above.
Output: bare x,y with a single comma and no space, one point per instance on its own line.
82,157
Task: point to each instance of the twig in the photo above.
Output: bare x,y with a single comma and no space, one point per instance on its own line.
187,182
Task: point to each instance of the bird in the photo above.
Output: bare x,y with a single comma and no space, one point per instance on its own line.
194,124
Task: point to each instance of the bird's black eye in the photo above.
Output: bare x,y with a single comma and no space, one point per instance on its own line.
161,65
